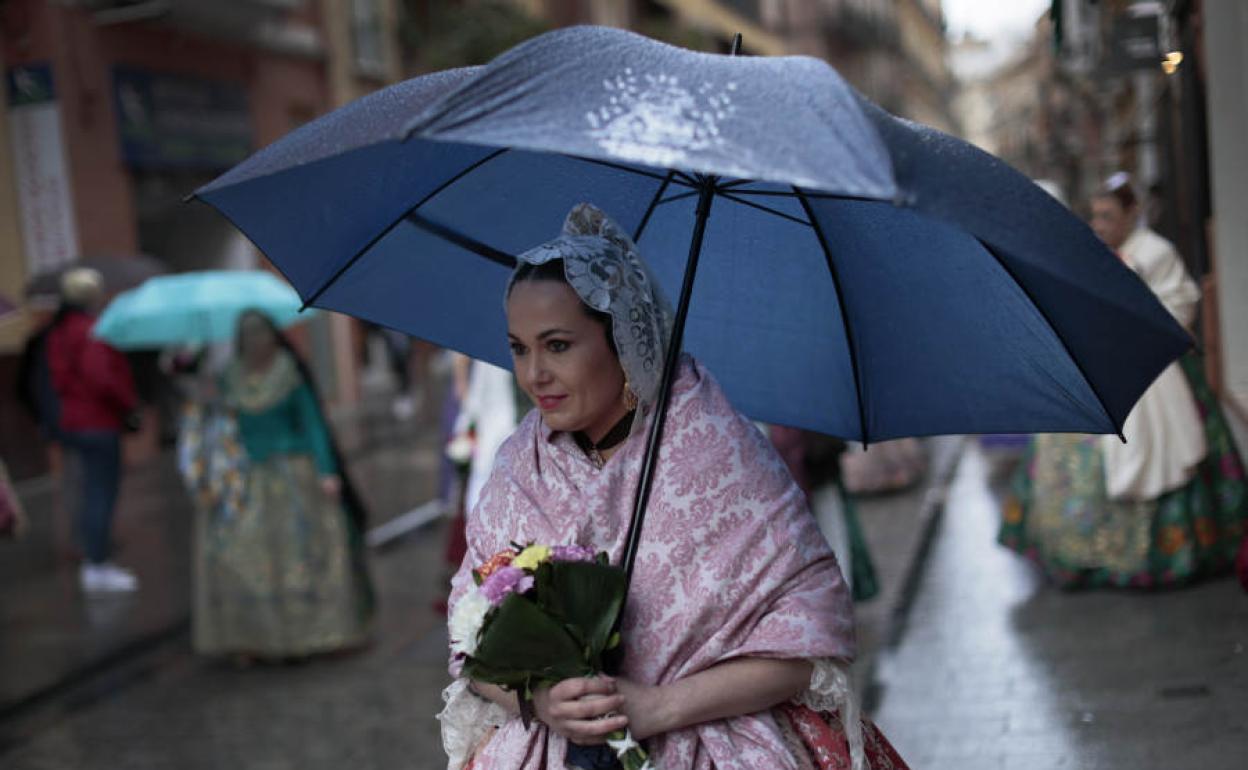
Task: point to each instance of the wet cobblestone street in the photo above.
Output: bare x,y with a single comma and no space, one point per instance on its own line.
995,670
372,710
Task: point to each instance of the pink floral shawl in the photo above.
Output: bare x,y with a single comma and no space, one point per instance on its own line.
731,564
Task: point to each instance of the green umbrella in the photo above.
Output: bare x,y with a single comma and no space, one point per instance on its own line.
195,308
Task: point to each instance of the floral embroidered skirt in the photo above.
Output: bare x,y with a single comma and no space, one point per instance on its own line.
282,575
1060,516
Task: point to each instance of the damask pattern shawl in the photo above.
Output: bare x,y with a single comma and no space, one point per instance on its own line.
731,564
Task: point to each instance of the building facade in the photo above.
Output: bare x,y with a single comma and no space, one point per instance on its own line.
1155,89
894,51
115,110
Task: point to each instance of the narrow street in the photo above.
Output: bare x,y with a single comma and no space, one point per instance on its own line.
169,709
989,669
995,670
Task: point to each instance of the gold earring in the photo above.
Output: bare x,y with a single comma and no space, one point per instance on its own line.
630,398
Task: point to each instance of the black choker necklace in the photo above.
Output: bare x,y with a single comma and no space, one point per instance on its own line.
614,438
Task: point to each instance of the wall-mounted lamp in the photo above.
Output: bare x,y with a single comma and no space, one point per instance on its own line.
1171,63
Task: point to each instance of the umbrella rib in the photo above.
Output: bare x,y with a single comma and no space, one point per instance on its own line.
687,180
850,339
761,207
1049,322
622,167
376,238
654,202
816,196
679,197
467,242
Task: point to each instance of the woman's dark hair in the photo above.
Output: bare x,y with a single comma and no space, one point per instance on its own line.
1118,187
554,271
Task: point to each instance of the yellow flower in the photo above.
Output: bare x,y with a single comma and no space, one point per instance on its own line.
532,556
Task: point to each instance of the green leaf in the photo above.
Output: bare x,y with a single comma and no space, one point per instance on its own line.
586,597
523,644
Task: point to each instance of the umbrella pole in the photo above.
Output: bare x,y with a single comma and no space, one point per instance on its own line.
670,365
706,195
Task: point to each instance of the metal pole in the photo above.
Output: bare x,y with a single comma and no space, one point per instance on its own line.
706,195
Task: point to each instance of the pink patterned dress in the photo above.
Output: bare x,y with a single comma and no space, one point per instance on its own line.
731,565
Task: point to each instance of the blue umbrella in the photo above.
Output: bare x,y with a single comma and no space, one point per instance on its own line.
860,275
194,308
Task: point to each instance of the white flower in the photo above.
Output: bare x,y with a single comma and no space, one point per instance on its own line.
460,449
466,621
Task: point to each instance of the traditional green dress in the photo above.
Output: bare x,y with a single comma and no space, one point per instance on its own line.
280,571
1169,508
1060,515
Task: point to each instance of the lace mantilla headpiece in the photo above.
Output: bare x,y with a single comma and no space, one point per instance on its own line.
604,268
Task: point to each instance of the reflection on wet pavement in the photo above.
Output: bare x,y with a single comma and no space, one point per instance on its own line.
371,710
998,671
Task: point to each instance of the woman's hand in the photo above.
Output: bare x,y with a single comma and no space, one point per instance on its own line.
645,708
578,709
331,485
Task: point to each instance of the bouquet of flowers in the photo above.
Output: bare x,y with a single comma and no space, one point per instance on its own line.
538,615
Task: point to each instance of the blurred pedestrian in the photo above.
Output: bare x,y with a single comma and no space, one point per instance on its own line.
1170,505
491,407
279,562
96,401
888,466
814,461
460,367
489,410
399,354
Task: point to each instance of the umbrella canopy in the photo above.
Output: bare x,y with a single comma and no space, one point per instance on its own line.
119,273
195,308
860,275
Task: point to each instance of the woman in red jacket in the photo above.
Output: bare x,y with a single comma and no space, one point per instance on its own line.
96,392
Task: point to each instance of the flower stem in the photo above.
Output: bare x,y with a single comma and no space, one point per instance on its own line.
632,756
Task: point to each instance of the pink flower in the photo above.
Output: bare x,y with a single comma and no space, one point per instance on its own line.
572,553
508,580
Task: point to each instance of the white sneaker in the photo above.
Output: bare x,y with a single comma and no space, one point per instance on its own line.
107,578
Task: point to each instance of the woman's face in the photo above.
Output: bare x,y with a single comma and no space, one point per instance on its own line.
562,359
1111,222
256,340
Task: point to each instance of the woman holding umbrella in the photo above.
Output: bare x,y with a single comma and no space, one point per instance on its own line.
738,627
1169,505
280,570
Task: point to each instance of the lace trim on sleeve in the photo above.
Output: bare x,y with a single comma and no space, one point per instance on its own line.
830,691
466,718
